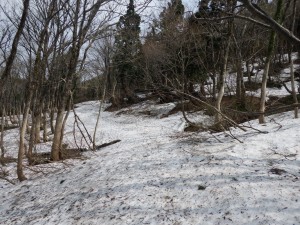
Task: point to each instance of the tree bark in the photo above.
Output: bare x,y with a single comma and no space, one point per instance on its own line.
21,152
271,48
2,132
222,77
294,93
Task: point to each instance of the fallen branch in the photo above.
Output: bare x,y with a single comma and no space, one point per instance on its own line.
107,144
8,180
230,121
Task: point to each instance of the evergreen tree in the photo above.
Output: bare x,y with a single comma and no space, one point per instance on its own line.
172,15
127,49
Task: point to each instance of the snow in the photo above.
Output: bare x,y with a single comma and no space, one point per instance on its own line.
158,174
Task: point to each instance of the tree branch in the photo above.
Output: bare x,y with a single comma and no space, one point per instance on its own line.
279,29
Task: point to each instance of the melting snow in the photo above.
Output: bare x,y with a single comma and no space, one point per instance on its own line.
159,175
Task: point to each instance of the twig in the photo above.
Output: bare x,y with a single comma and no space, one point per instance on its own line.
232,136
259,131
8,180
280,126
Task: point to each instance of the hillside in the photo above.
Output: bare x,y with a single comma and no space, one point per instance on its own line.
159,175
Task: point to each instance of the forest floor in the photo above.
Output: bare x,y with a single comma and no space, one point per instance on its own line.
158,174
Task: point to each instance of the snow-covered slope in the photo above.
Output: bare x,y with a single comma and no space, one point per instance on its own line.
159,175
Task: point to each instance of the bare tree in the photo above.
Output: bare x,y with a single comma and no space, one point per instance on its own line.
83,15
271,48
14,47
276,26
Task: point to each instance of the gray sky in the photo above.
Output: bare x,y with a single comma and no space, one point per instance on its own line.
190,4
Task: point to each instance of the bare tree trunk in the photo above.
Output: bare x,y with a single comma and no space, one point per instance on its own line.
264,90
45,128
31,141
56,144
15,43
52,126
21,152
248,72
2,133
64,124
240,87
294,93
37,128
218,117
98,116
271,48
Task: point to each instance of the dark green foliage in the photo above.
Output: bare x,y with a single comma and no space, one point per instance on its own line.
210,8
173,12
127,49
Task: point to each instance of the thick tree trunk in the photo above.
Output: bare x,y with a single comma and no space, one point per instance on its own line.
58,132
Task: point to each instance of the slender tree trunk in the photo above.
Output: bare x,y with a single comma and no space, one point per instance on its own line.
21,152
271,48
14,47
45,128
214,86
248,72
31,141
52,126
264,91
2,133
37,128
98,116
294,93
218,117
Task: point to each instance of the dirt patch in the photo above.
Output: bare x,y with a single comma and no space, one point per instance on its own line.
192,128
252,86
6,160
188,106
277,171
10,127
288,100
274,84
45,157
